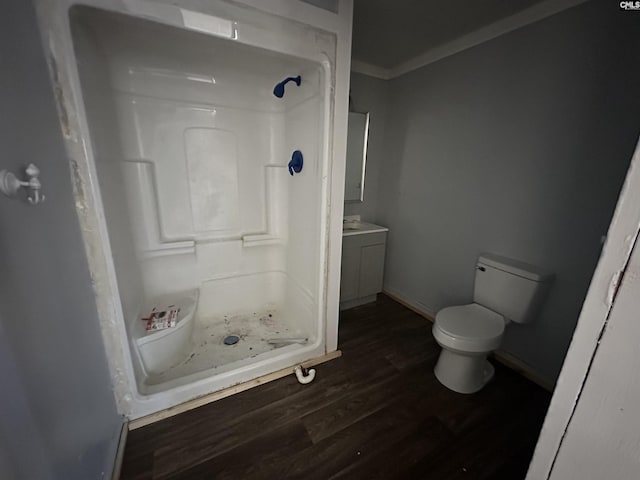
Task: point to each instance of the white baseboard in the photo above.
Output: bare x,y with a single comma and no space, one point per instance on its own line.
410,304
357,302
122,442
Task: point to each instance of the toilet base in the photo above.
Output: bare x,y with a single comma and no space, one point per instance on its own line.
463,373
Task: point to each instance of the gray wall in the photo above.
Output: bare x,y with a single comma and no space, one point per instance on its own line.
518,146
369,94
57,416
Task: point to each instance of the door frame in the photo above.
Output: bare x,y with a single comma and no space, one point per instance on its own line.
592,323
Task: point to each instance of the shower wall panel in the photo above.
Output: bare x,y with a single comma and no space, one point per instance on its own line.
190,149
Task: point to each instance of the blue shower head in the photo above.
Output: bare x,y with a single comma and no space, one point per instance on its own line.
278,90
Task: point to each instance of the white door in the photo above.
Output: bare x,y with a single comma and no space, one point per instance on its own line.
57,412
592,429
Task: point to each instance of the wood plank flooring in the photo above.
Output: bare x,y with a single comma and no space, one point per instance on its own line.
375,413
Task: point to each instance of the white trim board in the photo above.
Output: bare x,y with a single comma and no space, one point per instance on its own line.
508,24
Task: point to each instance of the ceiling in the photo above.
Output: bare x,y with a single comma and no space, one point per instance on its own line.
388,33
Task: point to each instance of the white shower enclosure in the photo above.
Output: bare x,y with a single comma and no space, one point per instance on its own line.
179,153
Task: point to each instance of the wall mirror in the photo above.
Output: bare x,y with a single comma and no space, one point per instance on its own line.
357,136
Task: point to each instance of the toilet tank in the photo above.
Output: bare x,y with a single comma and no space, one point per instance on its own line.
509,287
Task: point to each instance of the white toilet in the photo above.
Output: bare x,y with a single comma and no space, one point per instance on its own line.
505,290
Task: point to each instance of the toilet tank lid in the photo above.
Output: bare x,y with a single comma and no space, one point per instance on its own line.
516,267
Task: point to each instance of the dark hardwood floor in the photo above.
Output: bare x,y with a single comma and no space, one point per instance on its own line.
376,412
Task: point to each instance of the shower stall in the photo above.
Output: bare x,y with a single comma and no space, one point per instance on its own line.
215,250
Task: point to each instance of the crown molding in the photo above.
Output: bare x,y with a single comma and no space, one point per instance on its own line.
513,22
370,70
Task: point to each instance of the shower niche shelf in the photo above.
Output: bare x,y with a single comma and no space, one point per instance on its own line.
162,349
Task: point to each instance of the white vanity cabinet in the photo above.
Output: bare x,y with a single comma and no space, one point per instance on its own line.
362,272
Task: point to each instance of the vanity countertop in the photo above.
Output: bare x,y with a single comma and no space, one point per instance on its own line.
356,227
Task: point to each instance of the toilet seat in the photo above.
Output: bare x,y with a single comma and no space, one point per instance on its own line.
469,328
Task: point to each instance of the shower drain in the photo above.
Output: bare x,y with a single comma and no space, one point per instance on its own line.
231,339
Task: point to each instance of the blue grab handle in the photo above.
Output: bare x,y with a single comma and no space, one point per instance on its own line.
296,162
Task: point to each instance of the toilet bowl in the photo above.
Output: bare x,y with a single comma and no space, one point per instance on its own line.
505,291
467,334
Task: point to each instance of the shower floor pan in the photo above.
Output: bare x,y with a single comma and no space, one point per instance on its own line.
259,332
